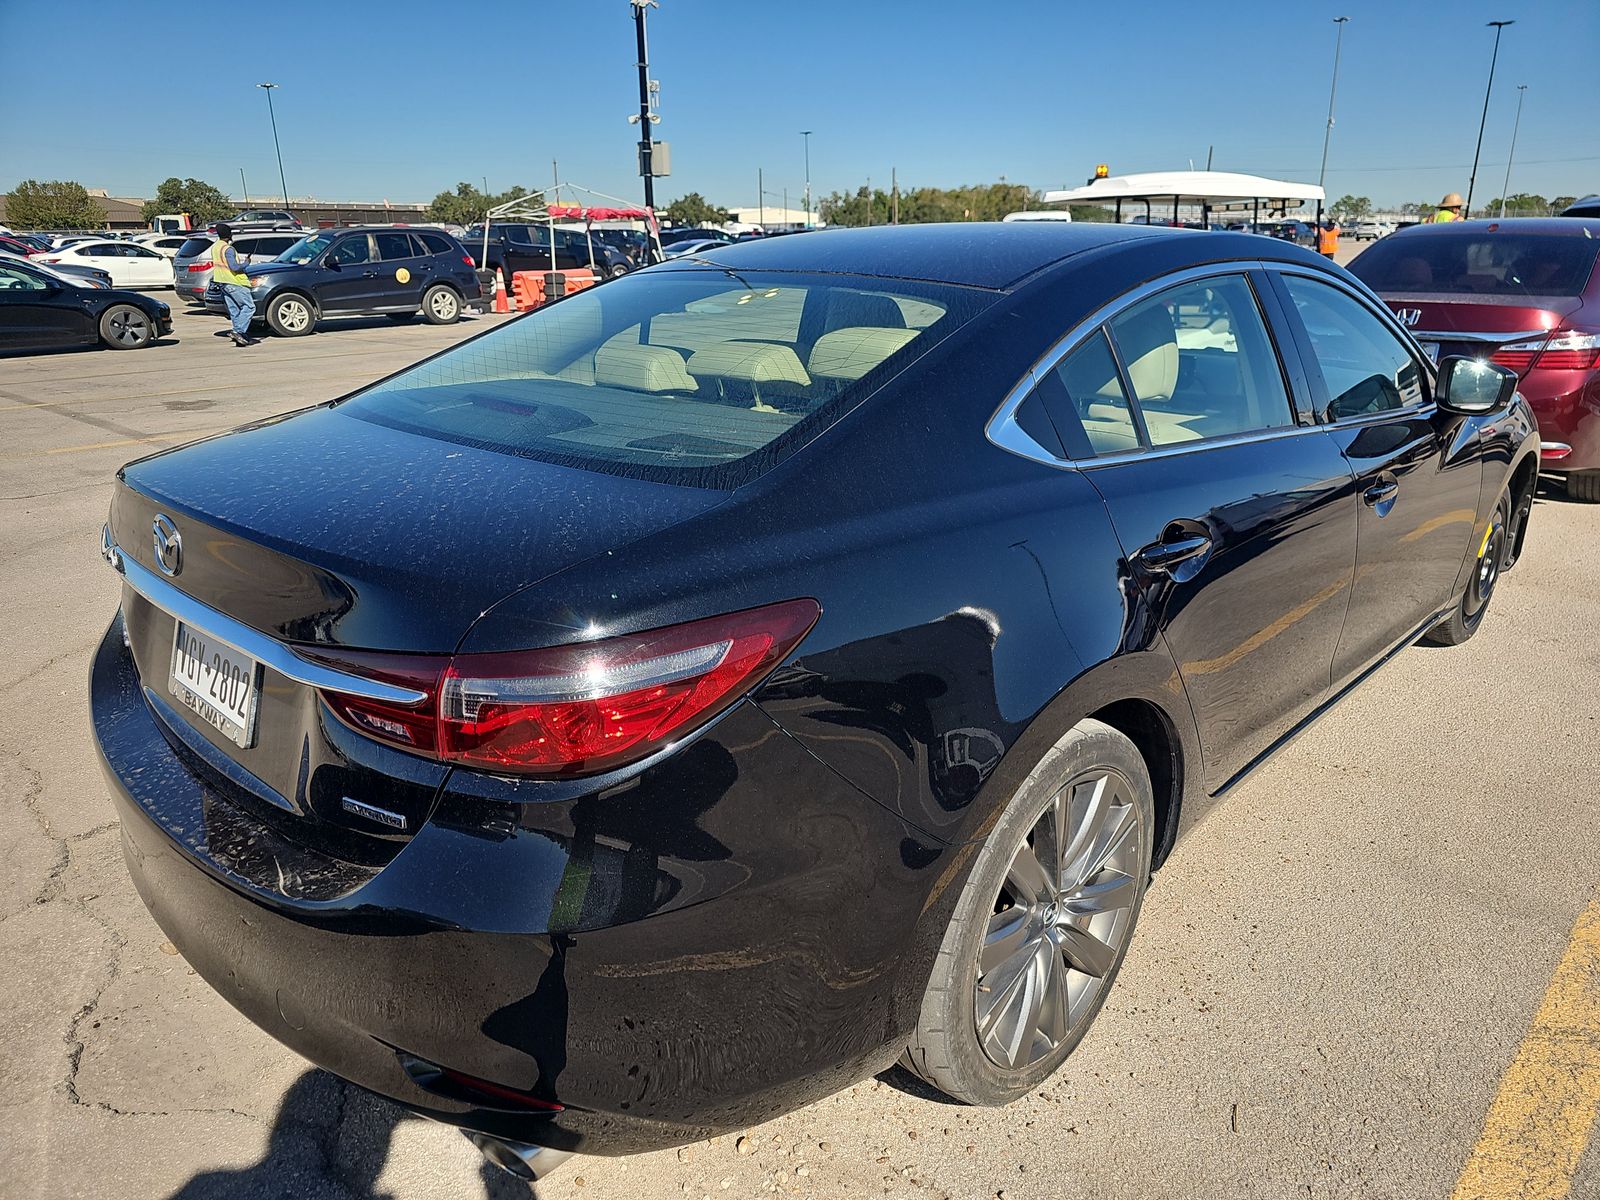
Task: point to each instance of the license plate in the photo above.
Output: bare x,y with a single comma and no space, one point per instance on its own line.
216,681
1431,349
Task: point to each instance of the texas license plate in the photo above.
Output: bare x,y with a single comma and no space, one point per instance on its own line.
216,681
1431,349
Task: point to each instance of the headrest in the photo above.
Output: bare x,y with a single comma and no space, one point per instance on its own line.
641,368
848,309
1412,273
851,353
1149,351
753,362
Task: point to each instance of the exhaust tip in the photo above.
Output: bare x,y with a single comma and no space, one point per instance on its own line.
520,1159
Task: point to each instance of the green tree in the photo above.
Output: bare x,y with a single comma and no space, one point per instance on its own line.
980,202
1561,202
52,204
1526,204
694,209
467,205
193,196
1352,208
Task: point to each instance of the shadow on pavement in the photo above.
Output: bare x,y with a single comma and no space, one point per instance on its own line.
330,1141
903,1080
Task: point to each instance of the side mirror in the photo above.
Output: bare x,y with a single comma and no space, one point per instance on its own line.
1472,386
332,263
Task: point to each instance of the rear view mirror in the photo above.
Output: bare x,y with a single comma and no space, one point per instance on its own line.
1473,385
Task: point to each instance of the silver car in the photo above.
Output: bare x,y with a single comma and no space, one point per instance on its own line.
191,266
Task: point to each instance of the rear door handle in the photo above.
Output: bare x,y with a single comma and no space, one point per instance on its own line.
1380,492
1163,556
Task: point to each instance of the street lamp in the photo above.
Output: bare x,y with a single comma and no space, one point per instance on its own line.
1332,91
267,87
1498,26
1515,125
806,134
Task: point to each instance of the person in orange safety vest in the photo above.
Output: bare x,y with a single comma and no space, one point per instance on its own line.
1328,238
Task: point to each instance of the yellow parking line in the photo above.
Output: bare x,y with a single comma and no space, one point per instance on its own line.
1540,1121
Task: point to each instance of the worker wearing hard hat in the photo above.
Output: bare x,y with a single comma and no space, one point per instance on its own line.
1449,208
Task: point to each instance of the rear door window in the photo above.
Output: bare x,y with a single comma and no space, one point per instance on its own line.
394,245
696,377
1200,362
1367,369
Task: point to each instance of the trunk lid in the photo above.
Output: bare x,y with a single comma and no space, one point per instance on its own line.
324,530
1476,326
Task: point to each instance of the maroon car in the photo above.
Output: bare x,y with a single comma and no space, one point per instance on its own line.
1524,293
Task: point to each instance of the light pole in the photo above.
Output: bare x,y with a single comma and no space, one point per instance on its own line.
1333,90
245,186
1515,125
267,87
806,134
1498,26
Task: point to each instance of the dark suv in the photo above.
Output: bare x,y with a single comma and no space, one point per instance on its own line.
518,246
359,272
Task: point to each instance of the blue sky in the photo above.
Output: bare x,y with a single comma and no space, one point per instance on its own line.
402,99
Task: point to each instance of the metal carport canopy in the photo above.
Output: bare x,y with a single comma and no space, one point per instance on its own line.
1209,187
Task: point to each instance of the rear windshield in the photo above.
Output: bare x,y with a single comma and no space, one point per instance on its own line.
701,377
194,247
1479,264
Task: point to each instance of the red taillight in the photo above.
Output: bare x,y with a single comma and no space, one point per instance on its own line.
579,709
467,258
1564,351
198,266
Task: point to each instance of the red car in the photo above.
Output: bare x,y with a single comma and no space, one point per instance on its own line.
1524,293
15,245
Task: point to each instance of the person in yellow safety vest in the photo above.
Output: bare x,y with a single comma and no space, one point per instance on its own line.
1328,238
1449,209
227,270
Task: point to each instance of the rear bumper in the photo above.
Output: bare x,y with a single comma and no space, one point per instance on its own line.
1567,404
669,960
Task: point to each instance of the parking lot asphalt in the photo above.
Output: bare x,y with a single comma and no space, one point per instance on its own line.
1366,972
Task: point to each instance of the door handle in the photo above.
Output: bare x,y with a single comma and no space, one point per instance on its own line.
1380,492
369,274
1163,556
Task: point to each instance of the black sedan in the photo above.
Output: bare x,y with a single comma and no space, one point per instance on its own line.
667,708
40,311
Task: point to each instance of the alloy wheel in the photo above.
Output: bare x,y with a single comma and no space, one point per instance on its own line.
1060,921
443,304
128,326
293,315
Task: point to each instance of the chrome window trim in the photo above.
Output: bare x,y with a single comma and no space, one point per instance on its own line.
1275,434
268,651
1460,335
1002,429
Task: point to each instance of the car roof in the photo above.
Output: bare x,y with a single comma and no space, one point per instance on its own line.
1588,227
986,254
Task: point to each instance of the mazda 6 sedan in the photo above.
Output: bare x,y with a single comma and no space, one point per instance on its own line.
691,697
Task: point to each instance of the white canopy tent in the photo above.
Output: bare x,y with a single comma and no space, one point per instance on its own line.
1209,189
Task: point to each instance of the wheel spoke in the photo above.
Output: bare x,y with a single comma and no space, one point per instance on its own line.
1008,1020
1055,1017
1008,933
1091,799
1085,951
1110,890
1121,820
1028,877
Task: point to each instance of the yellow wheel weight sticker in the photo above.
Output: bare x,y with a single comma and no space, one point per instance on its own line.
1486,533
403,275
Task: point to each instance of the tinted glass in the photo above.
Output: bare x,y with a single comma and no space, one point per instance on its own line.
436,243
196,247
307,248
274,245
1096,403
1200,362
1478,263
15,279
698,377
351,251
1367,368
134,251
394,245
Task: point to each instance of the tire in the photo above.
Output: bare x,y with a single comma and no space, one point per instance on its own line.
126,327
1493,553
441,305
1584,486
1104,789
618,272
291,315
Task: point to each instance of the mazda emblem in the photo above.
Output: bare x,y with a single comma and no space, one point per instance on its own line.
168,544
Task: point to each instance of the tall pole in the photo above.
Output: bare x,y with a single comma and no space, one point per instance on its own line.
761,199
1483,120
267,87
646,162
1333,90
894,196
1515,125
806,134
244,187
